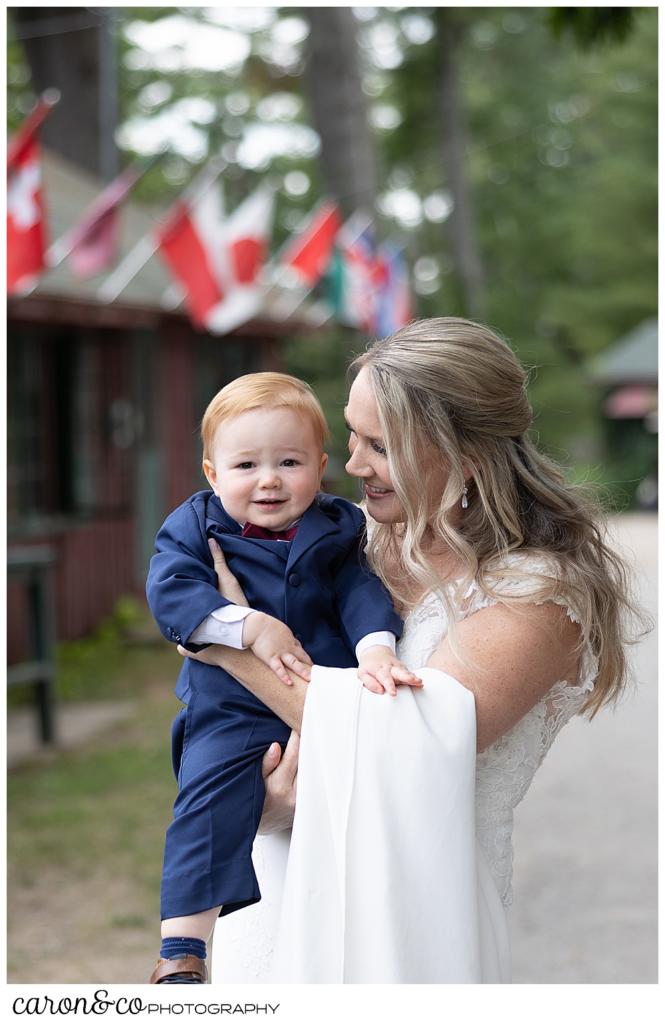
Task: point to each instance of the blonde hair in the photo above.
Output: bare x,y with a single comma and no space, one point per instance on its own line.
454,387
262,391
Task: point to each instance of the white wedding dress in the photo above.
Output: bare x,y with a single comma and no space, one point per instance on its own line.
398,869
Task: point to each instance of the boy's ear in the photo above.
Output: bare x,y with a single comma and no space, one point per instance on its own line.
324,463
210,474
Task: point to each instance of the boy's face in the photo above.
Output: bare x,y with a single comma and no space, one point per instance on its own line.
266,466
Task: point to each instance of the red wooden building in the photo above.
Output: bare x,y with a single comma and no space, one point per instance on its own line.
104,402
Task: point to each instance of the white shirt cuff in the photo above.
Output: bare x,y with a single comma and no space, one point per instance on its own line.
384,639
222,626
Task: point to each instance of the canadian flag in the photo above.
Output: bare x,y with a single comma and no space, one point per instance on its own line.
26,228
216,261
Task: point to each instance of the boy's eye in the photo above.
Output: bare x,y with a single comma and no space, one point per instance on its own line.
289,462
244,465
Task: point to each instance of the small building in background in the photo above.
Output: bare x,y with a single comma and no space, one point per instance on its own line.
104,402
627,372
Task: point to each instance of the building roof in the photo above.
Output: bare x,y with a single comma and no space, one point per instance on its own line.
68,191
633,358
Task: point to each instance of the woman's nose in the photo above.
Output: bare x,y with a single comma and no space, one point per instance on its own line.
355,466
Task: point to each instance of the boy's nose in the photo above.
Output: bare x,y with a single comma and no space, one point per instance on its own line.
270,479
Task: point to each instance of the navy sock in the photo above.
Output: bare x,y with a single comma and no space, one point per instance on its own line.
175,948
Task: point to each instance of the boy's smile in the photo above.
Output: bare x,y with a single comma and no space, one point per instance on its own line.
266,466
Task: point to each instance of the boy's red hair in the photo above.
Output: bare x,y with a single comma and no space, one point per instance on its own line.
262,391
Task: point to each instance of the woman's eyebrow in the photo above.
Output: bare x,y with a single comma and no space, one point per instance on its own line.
376,440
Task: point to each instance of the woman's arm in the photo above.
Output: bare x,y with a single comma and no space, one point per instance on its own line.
509,659
286,701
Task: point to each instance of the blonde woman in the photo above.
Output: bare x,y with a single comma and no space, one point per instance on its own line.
516,617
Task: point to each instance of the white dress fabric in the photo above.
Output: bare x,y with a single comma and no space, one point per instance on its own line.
398,869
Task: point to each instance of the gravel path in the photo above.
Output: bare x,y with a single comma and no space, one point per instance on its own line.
585,907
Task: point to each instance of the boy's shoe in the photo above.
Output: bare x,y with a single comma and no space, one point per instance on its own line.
188,970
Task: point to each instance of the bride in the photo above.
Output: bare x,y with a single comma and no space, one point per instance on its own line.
398,868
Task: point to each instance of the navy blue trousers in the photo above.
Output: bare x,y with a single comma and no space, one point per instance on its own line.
217,749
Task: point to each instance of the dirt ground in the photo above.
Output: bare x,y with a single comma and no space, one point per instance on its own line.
108,948
86,832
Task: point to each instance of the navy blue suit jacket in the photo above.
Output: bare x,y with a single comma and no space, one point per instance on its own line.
318,584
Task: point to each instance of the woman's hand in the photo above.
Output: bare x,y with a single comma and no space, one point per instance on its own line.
227,584
280,774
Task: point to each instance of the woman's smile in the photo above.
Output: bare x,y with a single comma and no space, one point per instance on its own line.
376,493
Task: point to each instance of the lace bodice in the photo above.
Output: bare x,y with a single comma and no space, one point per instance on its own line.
504,771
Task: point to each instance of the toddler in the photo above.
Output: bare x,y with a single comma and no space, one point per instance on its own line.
298,556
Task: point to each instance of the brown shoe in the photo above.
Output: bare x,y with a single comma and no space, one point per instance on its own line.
192,968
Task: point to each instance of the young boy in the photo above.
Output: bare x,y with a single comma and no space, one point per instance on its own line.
298,556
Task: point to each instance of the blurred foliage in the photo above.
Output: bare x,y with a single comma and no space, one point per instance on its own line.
90,668
561,110
591,26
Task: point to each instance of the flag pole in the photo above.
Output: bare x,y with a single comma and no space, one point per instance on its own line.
172,297
42,108
144,249
126,271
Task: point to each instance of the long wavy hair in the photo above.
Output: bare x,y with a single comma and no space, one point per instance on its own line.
451,390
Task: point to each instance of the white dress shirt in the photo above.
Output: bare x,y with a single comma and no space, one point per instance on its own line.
224,626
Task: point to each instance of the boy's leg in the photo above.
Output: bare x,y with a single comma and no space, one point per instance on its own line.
183,953
195,926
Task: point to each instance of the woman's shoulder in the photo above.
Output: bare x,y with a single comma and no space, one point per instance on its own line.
540,584
526,576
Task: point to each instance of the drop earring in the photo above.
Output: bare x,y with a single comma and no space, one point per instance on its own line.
465,497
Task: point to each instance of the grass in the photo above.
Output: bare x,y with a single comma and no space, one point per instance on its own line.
86,832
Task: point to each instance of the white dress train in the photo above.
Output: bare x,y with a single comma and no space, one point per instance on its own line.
385,882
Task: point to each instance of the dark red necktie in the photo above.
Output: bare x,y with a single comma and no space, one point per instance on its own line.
250,530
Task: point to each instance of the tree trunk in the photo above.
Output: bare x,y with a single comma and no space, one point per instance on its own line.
453,134
62,45
339,107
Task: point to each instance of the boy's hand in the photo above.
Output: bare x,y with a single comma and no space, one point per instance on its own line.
274,644
381,672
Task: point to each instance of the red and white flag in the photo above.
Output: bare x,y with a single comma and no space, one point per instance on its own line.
217,262
26,222
309,253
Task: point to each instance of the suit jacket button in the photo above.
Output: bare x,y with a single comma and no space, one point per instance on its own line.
294,579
